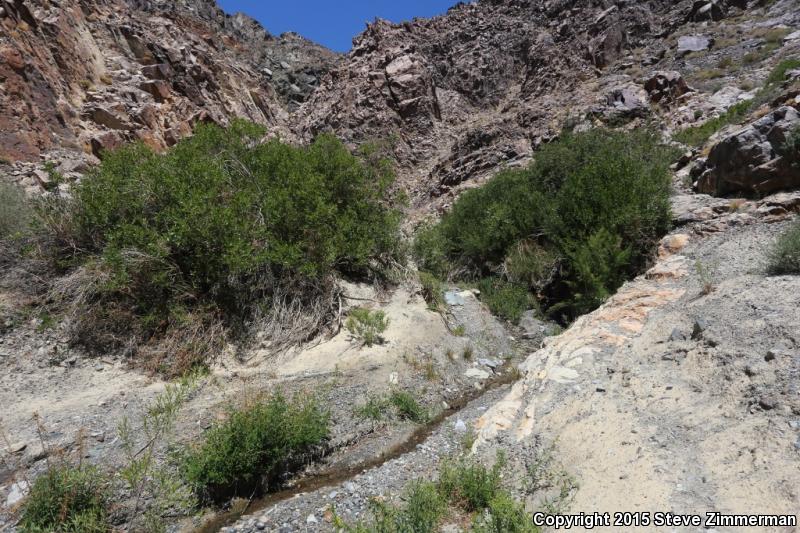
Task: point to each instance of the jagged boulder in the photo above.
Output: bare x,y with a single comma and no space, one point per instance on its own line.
755,159
666,86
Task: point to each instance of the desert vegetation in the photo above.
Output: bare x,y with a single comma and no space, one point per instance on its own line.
563,233
697,135
784,255
166,255
254,445
466,489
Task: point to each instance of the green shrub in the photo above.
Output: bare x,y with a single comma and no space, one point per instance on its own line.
540,226
257,443
373,409
224,227
67,499
463,485
778,74
531,264
504,299
504,515
432,291
423,508
697,135
470,485
784,255
408,407
16,213
367,325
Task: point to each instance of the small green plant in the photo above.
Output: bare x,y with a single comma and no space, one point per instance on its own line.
504,299
68,499
470,484
155,488
366,325
460,330
463,486
16,212
248,451
374,409
697,135
778,74
408,407
468,353
432,291
706,274
784,255
468,439
504,515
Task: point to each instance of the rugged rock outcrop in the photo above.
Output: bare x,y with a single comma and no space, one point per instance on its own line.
88,75
755,159
485,83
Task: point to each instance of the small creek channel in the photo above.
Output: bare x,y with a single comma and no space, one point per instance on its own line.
337,476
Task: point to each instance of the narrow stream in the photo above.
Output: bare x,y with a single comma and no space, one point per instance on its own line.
339,475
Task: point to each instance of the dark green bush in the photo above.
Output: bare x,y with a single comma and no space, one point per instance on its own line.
504,299
69,499
504,515
221,223
595,196
784,255
408,407
422,511
367,326
470,485
249,450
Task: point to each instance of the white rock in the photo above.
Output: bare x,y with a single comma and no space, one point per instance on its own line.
18,491
476,373
311,519
461,426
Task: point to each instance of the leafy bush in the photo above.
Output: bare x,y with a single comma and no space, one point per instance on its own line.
367,325
784,256
423,508
408,407
67,499
223,227
504,299
471,485
254,445
504,515
600,195
16,212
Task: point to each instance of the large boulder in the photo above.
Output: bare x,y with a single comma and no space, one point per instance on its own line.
666,86
755,159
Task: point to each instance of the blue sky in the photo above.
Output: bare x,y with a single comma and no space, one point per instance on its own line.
328,22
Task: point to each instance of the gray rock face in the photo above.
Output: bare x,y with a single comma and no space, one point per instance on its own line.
753,160
693,43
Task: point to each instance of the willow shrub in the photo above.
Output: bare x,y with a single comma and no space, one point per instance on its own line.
596,201
221,222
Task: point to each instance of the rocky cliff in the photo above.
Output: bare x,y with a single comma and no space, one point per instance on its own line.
89,75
